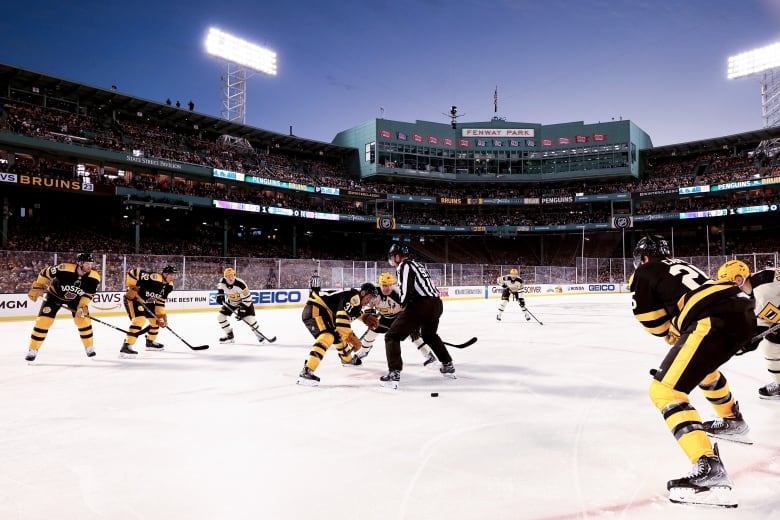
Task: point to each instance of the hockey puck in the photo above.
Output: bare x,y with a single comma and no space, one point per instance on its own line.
434,394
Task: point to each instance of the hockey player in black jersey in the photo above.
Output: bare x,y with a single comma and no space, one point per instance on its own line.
511,285
705,323
764,288
387,306
234,297
145,298
328,316
69,285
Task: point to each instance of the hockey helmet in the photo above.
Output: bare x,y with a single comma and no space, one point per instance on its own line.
733,268
653,246
229,272
169,269
397,249
513,272
386,279
369,288
84,257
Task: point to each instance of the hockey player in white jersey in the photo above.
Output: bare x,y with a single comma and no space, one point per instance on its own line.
387,306
764,287
234,297
512,285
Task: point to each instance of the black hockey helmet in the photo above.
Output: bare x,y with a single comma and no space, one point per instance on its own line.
169,269
369,288
396,248
654,246
84,257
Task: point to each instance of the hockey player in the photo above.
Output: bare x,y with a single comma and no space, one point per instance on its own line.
422,309
764,287
234,297
511,284
145,300
328,315
706,323
70,285
387,306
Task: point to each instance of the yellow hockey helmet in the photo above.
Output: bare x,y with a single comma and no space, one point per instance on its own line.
513,272
733,268
229,272
386,279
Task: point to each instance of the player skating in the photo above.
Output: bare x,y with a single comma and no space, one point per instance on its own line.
70,285
764,287
145,298
235,298
706,323
512,286
387,306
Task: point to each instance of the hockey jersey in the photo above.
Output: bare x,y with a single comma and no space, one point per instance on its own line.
236,293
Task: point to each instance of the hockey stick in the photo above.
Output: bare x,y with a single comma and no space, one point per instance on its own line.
140,333
197,347
532,315
766,333
462,345
234,312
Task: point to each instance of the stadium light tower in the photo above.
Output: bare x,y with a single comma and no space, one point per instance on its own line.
240,60
764,64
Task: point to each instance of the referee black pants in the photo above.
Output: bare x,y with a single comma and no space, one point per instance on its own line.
422,313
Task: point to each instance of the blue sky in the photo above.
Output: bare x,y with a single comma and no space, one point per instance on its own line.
661,64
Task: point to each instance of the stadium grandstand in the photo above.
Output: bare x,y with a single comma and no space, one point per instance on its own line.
85,168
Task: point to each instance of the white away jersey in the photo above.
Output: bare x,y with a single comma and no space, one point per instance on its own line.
766,291
236,294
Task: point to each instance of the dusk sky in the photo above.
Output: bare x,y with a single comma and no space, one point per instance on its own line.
659,64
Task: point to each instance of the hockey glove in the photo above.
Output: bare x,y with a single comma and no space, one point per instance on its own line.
82,310
162,320
371,321
36,291
521,301
353,340
243,311
221,299
132,293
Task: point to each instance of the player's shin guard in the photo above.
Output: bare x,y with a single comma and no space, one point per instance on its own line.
40,331
682,419
321,345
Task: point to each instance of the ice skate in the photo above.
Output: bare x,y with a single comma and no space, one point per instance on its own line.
732,428
154,345
227,338
260,338
355,361
447,370
127,352
707,484
89,351
391,379
527,315
307,378
498,317
363,352
770,391
31,355
430,359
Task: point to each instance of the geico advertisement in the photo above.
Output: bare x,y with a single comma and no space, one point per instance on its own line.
18,305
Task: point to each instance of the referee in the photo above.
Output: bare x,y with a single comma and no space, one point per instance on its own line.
315,283
422,308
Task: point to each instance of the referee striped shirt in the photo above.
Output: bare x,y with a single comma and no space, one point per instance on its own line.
414,281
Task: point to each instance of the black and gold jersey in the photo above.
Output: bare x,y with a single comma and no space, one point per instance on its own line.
333,303
151,287
66,285
657,289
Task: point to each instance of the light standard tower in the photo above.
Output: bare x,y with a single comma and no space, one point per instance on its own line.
762,63
240,60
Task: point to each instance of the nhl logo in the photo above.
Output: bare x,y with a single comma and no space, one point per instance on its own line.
386,223
622,222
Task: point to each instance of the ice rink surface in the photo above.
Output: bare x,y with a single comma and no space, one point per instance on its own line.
545,421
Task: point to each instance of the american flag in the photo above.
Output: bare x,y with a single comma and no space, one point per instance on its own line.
495,99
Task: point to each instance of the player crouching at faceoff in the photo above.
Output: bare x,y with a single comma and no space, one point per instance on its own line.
66,285
511,284
764,288
705,322
234,297
145,300
387,306
328,315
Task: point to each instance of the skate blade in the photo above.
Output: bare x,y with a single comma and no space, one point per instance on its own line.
390,385
739,438
306,382
769,397
713,497
122,355
227,342
155,349
450,376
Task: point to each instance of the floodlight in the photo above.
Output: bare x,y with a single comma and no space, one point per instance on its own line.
754,62
241,52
